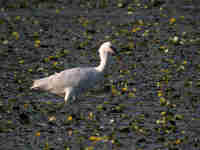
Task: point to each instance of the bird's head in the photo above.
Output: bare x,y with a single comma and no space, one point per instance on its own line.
107,47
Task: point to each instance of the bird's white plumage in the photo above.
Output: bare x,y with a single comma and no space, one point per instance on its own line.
72,82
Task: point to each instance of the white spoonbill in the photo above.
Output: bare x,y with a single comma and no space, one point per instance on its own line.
72,82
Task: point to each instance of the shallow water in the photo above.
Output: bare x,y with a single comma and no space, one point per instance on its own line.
149,101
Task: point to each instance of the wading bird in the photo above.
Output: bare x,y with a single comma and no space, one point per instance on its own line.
72,82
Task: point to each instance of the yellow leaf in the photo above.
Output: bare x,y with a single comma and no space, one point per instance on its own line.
163,113
46,59
165,70
16,34
90,116
158,121
30,70
160,93
55,63
131,94
51,57
89,148
136,29
95,138
17,17
36,45
131,45
162,100
25,105
66,51
172,20
162,47
178,141
112,141
57,11
21,61
37,133
37,41
124,89
114,91
69,118
158,84
184,62
92,138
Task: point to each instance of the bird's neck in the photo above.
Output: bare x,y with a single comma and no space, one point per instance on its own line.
103,63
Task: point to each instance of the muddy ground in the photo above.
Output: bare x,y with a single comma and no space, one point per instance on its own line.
150,99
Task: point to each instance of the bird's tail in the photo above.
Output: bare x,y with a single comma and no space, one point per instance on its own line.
35,85
42,84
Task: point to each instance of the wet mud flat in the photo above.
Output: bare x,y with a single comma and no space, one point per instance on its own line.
150,99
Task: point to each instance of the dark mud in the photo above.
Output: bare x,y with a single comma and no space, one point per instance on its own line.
150,99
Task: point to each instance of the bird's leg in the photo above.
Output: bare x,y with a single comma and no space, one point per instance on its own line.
73,98
67,94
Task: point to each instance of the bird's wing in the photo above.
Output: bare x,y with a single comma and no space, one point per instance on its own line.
79,78
66,78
